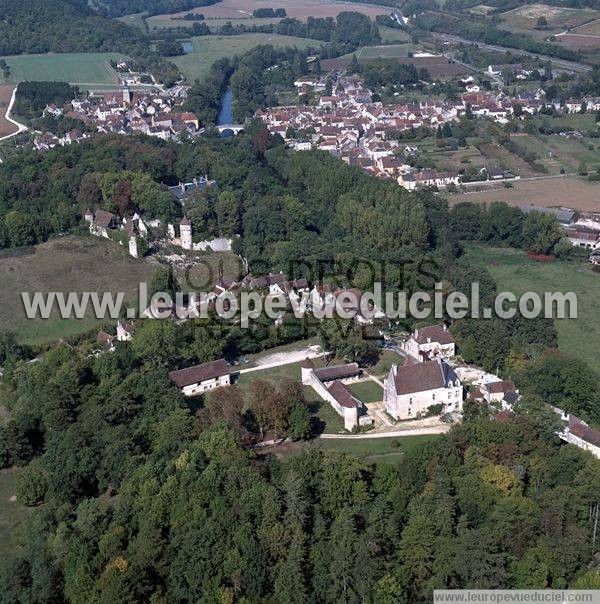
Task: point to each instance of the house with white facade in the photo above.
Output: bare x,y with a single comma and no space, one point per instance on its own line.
410,390
578,433
431,342
201,378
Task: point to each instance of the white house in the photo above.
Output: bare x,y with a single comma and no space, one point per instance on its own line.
200,378
125,331
430,342
578,433
410,390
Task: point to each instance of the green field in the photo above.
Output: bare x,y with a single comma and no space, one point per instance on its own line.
389,34
208,49
376,449
76,68
367,391
514,272
392,51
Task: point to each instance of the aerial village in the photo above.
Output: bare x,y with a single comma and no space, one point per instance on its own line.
364,133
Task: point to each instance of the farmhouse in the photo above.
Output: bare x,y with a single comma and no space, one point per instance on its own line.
583,237
410,390
428,343
200,378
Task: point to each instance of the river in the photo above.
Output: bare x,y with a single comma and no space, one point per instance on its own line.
225,115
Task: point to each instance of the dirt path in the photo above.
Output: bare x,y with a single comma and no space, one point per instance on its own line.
8,126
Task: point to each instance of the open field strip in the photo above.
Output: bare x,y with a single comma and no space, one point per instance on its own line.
75,68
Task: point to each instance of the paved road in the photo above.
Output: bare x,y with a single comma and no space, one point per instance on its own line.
570,65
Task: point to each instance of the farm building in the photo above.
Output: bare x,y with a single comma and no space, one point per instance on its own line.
200,378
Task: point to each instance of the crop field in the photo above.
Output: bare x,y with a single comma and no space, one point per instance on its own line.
6,127
569,191
507,160
76,68
456,160
516,273
557,17
66,264
240,11
545,156
591,28
208,49
578,41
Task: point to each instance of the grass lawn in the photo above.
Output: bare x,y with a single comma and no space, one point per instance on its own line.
514,272
367,391
76,68
377,449
275,375
208,49
65,264
11,512
387,358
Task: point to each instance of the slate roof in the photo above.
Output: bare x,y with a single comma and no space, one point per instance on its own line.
344,396
437,333
199,373
337,372
421,377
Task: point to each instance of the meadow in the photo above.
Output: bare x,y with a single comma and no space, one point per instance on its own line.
208,49
516,273
379,450
62,265
76,68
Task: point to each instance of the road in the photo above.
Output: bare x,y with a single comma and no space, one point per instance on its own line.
570,65
20,127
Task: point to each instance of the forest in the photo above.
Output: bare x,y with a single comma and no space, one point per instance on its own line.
138,498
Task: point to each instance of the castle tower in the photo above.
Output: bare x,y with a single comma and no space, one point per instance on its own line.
133,249
185,232
306,369
126,95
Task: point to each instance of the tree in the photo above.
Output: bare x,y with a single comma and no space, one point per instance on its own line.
542,21
228,214
32,484
299,423
541,232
